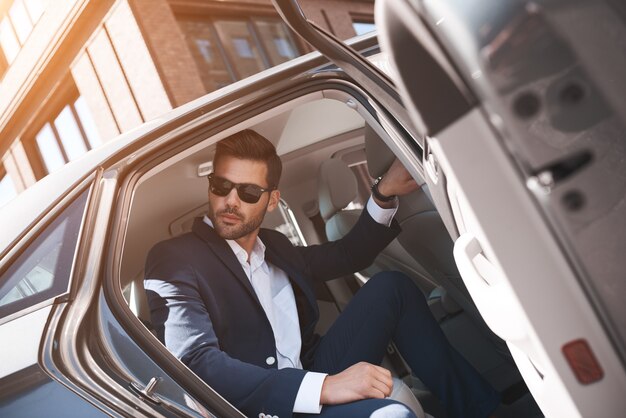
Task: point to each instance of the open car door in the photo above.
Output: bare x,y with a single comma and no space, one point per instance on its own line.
534,175
517,111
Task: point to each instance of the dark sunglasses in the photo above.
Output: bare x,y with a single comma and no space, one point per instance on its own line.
249,193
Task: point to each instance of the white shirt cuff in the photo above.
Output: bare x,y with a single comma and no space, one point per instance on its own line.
308,399
381,215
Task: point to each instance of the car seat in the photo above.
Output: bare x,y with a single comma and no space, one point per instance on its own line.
337,188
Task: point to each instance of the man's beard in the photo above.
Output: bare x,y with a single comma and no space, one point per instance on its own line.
240,230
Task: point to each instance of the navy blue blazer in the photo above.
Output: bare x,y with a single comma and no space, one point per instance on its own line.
207,314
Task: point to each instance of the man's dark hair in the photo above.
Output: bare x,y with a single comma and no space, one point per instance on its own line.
249,145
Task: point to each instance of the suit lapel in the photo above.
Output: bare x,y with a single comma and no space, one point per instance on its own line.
224,253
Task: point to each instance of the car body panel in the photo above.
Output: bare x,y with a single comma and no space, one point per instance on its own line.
22,397
24,333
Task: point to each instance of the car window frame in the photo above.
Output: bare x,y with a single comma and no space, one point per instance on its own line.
37,228
373,112
68,223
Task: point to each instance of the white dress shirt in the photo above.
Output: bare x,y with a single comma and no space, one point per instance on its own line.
274,291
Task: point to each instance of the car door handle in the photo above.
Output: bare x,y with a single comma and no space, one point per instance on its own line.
490,290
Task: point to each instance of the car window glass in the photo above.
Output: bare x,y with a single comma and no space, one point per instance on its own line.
43,270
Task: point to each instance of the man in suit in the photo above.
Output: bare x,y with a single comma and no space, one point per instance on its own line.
235,303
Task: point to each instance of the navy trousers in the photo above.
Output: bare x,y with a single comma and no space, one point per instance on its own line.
389,307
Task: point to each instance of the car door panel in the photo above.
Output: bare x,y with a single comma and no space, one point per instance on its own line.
562,114
82,348
21,339
529,183
517,275
23,391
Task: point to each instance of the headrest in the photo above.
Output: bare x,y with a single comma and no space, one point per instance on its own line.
379,156
337,187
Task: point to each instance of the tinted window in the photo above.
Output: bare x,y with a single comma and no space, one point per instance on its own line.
43,270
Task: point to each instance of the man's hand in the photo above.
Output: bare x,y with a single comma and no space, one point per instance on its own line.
397,181
361,381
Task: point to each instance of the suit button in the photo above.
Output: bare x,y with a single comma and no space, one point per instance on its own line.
270,360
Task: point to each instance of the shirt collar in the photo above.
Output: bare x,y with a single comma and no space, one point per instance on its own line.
257,257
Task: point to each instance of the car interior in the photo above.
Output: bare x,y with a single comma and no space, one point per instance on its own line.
331,149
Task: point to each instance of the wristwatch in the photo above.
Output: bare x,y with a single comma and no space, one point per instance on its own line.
378,195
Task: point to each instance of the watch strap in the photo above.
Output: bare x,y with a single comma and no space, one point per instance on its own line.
378,195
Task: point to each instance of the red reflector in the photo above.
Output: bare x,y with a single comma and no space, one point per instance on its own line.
582,361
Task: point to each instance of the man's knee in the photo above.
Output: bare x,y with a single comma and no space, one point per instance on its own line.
393,410
391,280
398,289
394,282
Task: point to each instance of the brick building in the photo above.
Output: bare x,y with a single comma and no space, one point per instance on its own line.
76,73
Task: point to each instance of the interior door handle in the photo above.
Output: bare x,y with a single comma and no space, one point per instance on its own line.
489,289
430,163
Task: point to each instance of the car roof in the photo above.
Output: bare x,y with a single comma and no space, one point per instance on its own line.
20,212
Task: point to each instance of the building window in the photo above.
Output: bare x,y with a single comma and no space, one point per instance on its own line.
16,24
227,50
63,135
67,135
7,188
362,28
